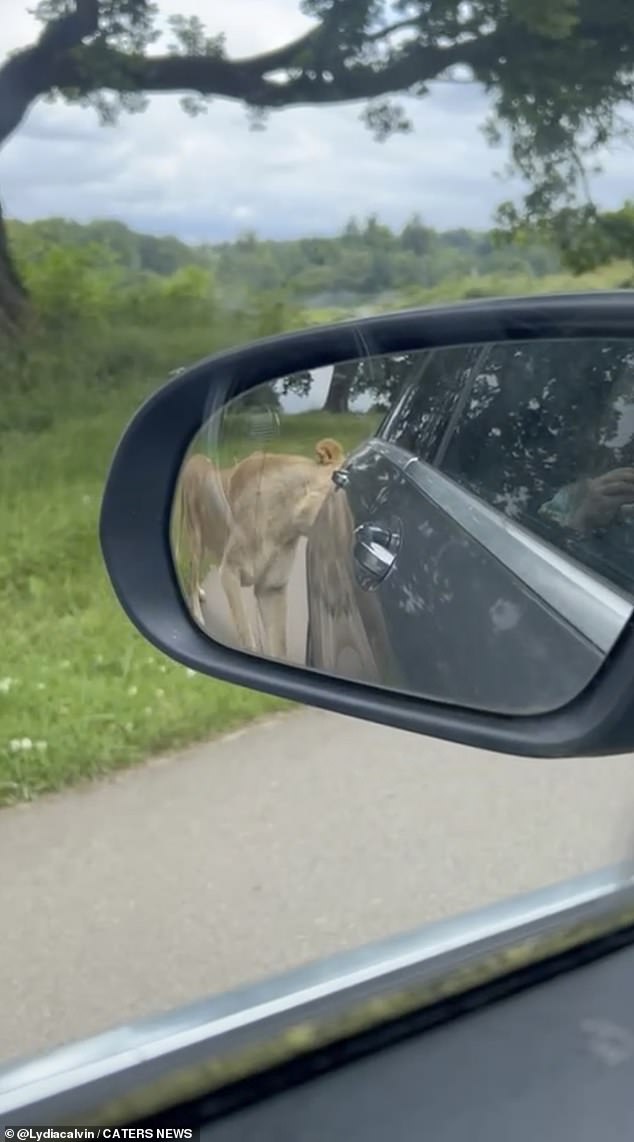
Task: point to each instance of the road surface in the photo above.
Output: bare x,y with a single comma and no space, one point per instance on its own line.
292,839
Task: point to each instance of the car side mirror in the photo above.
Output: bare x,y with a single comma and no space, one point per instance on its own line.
425,519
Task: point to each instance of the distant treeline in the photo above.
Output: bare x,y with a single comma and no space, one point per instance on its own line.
367,259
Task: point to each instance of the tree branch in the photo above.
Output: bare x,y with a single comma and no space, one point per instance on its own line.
389,29
245,80
282,57
29,73
61,59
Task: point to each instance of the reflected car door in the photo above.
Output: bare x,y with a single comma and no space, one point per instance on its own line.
347,632
415,582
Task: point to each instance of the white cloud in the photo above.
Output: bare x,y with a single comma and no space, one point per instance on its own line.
209,177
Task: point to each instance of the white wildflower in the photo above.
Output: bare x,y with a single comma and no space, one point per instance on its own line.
132,690
5,685
24,745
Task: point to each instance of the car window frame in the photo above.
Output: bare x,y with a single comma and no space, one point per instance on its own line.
480,352
392,413
434,973
478,364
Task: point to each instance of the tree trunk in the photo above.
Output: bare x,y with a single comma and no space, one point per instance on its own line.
338,390
14,299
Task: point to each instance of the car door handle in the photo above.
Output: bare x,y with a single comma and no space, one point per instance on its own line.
374,552
340,477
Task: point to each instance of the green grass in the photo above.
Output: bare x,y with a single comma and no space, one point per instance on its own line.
613,276
80,692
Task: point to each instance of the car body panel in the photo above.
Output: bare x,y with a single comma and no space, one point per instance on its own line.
448,601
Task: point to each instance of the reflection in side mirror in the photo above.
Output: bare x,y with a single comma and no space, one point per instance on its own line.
250,518
454,523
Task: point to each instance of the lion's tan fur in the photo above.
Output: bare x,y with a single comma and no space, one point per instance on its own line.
249,520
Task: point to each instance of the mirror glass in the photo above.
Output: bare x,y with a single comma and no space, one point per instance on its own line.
454,523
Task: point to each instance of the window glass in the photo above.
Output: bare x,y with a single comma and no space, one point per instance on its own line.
547,437
423,414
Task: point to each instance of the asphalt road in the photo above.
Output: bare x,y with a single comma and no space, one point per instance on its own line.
292,839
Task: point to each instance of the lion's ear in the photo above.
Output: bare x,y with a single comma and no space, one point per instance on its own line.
328,452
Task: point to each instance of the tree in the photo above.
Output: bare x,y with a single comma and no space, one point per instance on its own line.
13,294
588,238
380,379
338,394
417,238
585,237
558,72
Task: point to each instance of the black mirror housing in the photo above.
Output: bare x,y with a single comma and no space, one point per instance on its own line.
137,501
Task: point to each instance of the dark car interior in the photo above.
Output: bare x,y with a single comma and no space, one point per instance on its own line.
524,1059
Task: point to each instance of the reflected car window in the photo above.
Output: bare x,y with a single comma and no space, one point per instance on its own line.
419,422
513,446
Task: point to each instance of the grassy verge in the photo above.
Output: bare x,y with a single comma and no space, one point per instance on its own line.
612,276
80,692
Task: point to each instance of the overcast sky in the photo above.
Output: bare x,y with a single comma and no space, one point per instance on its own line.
210,177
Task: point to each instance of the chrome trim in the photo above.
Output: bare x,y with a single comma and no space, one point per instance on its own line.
595,608
340,477
374,554
86,1080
